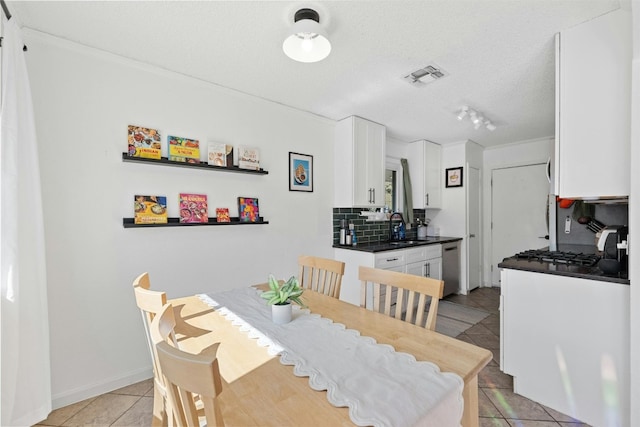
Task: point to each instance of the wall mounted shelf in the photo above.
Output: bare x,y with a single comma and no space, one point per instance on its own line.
175,222
202,165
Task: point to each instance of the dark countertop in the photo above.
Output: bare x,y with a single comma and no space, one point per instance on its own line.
581,272
387,246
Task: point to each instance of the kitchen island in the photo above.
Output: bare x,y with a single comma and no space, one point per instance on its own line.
564,334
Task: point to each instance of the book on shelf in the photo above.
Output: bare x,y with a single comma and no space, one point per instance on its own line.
248,157
193,208
144,142
217,155
222,215
149,209
184,149
248,210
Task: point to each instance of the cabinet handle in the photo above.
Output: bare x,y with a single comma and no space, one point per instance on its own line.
428,269
472,235
427,196
391,259
373,200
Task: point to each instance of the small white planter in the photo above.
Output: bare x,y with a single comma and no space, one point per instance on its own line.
281,314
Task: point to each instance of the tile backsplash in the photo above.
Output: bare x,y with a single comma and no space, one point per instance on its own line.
369,231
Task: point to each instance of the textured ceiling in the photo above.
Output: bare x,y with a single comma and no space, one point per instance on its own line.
499,55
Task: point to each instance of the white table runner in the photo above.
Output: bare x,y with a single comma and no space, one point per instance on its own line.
380,386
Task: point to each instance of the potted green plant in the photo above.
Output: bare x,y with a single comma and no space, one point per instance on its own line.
280,296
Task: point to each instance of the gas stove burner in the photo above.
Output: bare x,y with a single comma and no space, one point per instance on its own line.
559,257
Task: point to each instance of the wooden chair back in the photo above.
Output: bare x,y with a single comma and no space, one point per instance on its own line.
190,376
150,304
321,274
401,295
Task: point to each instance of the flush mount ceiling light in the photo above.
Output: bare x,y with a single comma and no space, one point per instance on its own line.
476,117
307,41
425,75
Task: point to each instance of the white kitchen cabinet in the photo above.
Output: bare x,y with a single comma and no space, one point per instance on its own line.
359,163
417,260
425,169
424,261
593,104
565,340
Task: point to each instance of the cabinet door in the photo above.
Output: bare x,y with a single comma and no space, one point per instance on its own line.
417,268
593,90
434,268
433,176
425,168
369,164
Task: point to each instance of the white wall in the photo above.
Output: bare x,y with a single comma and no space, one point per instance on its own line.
634,219
516,154
84,100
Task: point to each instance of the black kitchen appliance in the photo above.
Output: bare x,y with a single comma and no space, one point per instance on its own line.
612,243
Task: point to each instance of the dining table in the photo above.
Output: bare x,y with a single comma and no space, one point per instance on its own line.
259,390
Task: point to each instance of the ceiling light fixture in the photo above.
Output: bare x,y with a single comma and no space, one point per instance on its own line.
463,112
307,41
476,117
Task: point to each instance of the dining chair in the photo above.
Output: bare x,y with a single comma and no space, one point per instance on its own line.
190,377
401,295
150,304
321,274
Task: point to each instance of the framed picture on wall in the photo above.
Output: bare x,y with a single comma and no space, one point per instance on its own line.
300,172
453,177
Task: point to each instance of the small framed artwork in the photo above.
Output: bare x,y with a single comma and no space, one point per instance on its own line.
453,177
300,172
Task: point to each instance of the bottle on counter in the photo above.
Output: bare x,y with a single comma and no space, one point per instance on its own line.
343,231
354,239
402,234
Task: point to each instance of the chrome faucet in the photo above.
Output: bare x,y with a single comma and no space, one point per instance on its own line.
393,215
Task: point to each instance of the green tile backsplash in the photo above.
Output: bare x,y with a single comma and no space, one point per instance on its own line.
369,232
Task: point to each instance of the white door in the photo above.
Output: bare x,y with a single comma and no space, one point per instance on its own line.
474,209
518,212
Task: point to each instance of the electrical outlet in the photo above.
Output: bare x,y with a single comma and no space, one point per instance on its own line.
567,225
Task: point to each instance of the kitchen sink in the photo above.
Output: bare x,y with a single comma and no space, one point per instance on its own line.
402,242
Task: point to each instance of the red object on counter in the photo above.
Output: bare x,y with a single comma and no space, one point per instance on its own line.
564,203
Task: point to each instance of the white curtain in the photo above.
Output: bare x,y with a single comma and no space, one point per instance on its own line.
24,329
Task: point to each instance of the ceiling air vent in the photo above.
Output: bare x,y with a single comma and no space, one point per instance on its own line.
425,75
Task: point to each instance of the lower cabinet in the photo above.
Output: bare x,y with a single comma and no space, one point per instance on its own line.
565,341
421,261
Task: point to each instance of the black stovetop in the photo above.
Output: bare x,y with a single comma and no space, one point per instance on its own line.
559,257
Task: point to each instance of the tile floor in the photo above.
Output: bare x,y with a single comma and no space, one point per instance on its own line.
499,406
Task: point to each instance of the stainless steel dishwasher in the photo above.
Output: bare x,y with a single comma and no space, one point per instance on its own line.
451,267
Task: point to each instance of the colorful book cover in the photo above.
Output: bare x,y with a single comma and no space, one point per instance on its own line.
248,157
248,210
144,142
222,215
217,155
183,149
193,208
150,209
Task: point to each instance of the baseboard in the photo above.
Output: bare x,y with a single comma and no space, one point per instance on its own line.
81,393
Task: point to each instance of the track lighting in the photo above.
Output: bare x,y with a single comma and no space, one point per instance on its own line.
476,118
463,112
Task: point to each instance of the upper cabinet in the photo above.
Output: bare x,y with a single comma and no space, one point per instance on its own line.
593,104
359,163
425,169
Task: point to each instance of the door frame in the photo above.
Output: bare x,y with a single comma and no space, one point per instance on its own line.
480,229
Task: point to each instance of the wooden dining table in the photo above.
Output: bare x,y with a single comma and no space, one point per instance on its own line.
260,391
